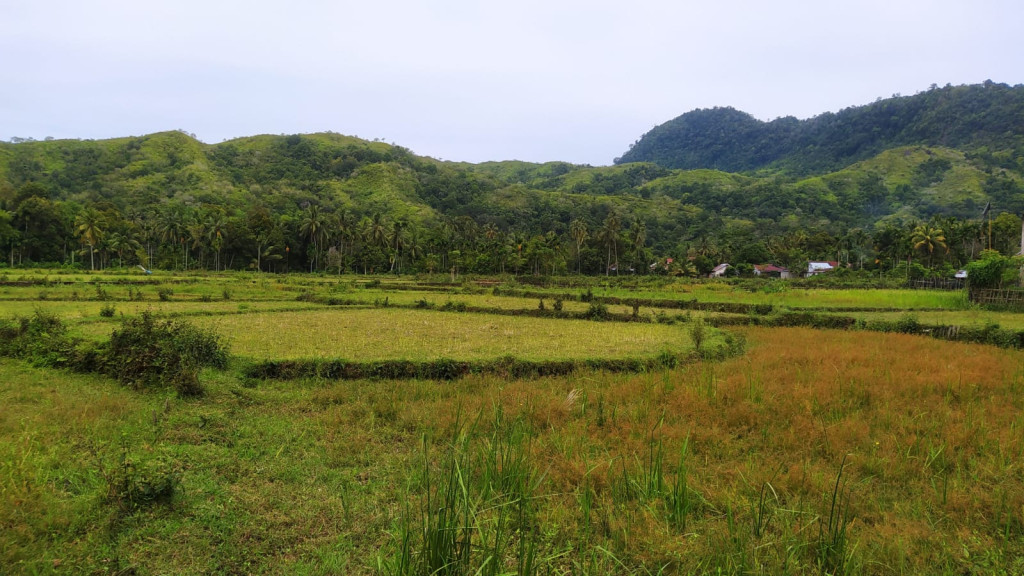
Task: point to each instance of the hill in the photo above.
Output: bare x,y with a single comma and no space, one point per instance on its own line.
983,118
285,202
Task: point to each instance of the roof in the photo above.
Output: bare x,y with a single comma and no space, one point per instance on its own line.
720,268
769,268
822,265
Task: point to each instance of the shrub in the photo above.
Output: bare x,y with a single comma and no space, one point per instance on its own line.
450,306
987,270
146,353
557,305
141,479
908,324
164,294
41,339
107,311
698,334
597,311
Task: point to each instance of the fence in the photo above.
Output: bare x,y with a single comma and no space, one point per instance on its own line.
1008,298
938,284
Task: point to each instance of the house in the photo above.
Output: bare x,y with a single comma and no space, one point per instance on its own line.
815,268
770,271
960,274
719,271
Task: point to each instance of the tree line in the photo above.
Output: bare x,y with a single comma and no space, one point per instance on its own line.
38,230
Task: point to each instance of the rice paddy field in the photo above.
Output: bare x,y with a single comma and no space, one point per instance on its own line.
807,451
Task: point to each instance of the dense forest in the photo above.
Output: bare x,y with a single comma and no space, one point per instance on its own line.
982,118
335,203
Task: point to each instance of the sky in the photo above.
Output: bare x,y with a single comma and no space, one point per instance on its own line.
473,81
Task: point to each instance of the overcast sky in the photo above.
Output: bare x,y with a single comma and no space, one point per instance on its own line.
477,80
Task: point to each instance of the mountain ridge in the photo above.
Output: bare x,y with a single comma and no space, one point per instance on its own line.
969,117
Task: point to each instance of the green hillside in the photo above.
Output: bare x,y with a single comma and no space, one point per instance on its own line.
982,118
328,201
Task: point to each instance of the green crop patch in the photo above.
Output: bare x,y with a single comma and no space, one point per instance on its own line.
407,334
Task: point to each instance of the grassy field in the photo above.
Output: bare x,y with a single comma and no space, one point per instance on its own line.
813,452
380,334
974,317
781,296
321,478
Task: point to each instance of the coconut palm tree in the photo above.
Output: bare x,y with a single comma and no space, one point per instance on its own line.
927,239
579,233
314,226
609,235
121,242
90,230
638,239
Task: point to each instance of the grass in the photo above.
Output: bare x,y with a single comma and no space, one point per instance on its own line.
977,317
319,477
385,334
816,452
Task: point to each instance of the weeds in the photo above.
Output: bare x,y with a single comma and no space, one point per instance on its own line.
146,353
832,540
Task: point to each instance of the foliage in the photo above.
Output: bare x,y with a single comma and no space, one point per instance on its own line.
42,339
332,204
727,139
987,271
147,353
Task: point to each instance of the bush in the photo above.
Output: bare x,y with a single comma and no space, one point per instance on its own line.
557,306
450,306
987,271
597,311
41,339
908,324
146,353
165,294
107,311
141,480
698,334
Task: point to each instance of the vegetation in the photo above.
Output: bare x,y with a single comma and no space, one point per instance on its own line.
771,462
500,414
871,192
965,117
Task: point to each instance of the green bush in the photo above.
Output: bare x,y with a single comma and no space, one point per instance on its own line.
146,353
987,270
41,339
141,479
597,311
698,334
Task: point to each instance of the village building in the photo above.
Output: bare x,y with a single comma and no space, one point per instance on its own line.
770,271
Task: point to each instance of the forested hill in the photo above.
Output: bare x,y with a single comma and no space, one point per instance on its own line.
318,201
987,116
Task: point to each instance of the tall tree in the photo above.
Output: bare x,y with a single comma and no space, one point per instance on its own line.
579,233
89,227
314,227
928,239
609,235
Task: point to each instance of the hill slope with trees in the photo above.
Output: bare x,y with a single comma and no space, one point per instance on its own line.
985,117
333,202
